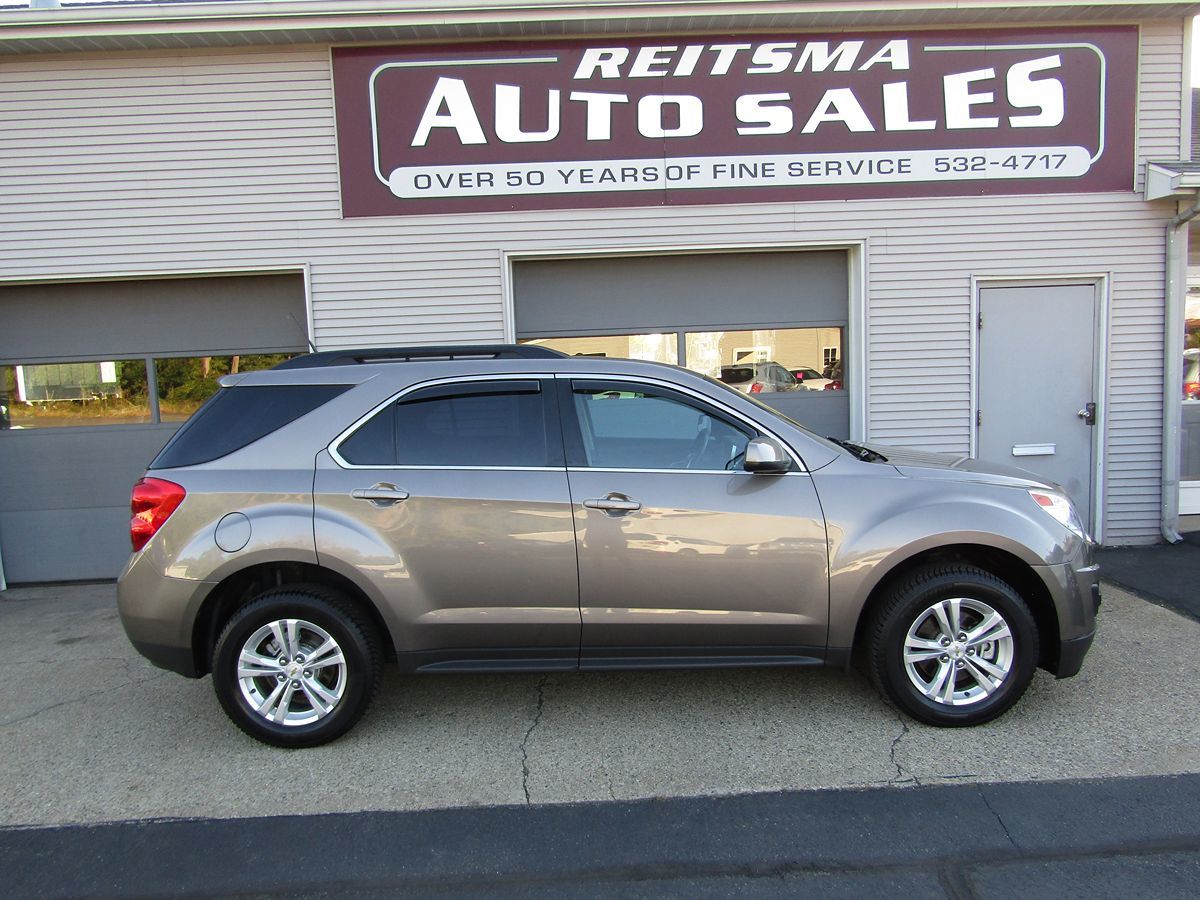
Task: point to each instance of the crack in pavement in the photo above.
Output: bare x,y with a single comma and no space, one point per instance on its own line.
132,682
983,796
537,717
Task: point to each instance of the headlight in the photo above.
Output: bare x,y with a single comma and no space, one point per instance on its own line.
1060,508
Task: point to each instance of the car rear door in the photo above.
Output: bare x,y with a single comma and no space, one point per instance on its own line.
451,500
683,556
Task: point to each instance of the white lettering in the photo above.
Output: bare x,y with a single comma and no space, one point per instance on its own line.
894,53
959,99
508,117
839,105
895,110
599,112
1045,93
688,59
762,119
607,60
725,56
650,116
817,53
651,56
771,58
459,115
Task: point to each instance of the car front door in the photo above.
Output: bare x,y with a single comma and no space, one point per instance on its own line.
452,501
684,556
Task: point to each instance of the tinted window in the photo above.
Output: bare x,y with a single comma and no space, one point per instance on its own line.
631,429
238,416
454,429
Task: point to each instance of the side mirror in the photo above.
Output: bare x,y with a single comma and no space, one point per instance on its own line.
764,456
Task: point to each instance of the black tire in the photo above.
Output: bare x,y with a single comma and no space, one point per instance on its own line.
910,604
354,683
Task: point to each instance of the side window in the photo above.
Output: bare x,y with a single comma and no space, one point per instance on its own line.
625,427
487,424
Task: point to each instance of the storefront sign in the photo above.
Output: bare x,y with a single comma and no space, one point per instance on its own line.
734,119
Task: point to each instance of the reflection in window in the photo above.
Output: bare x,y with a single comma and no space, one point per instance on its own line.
186,382
632,429
771,359
651,347
1189,445
111,392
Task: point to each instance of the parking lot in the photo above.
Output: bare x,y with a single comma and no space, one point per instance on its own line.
92,733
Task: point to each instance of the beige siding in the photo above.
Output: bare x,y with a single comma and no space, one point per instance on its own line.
209,160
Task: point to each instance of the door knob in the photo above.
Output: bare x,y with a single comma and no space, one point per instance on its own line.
1088,413
382,494
613,503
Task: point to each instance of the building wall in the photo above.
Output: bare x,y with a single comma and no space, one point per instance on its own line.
194,161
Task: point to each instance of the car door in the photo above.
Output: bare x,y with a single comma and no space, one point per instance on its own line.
452,501
684,556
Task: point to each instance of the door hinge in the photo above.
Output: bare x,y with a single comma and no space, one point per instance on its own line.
978,417
979,320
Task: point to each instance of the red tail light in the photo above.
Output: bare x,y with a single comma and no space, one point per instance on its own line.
152,503
756,388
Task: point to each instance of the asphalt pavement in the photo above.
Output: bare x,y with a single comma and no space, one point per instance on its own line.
120,779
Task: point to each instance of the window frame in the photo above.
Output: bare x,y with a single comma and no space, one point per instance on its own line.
572,431
443,387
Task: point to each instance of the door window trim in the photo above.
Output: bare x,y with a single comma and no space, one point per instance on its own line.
549,411
569,421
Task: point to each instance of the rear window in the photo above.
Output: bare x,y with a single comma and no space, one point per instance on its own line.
736,374
238,416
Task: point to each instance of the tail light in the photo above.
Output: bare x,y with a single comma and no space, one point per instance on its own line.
834,386
152,503
756,388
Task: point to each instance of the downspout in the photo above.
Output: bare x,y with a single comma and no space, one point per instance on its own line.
1173,371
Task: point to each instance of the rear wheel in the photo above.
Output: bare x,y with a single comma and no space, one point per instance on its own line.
953,645
297,667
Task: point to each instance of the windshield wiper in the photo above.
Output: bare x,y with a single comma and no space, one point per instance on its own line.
859,451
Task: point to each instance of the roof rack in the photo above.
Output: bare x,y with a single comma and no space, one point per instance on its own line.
407,354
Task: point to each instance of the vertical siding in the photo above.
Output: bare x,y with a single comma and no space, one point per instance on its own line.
179,162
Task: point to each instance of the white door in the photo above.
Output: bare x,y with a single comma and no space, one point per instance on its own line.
1037,394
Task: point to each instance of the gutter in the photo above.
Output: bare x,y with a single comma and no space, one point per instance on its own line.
1176,235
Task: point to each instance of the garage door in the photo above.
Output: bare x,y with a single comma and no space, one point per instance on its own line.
772,323
94,378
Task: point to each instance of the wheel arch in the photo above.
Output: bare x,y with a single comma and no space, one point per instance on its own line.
241,587
1006,566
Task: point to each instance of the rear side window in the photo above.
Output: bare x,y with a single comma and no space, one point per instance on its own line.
238,416
488,425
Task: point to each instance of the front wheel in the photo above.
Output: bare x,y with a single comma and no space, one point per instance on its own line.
953,645
296,667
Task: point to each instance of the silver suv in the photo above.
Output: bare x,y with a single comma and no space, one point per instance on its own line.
506,508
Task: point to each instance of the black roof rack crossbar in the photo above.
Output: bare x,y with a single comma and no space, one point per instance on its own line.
406,354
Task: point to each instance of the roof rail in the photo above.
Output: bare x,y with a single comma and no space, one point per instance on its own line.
407,354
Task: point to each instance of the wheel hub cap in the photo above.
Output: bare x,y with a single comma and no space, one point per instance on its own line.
959,651
292,672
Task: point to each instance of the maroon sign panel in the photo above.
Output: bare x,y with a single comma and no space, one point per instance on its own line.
654,121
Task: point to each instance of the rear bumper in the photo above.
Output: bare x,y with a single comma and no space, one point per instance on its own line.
174,659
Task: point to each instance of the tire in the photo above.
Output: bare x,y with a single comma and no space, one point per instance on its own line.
291,704
933,675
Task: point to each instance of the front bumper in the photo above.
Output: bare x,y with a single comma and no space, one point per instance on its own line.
1074,587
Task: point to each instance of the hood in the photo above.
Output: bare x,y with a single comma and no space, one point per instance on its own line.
921,464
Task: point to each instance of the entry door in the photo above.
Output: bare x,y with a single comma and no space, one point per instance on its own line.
681,552
453,501
1037,383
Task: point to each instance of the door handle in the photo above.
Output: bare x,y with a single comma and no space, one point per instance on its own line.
381,494
613,503
1088,414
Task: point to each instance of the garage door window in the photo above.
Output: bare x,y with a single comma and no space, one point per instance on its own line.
111,392
659,347
770,359
184,383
